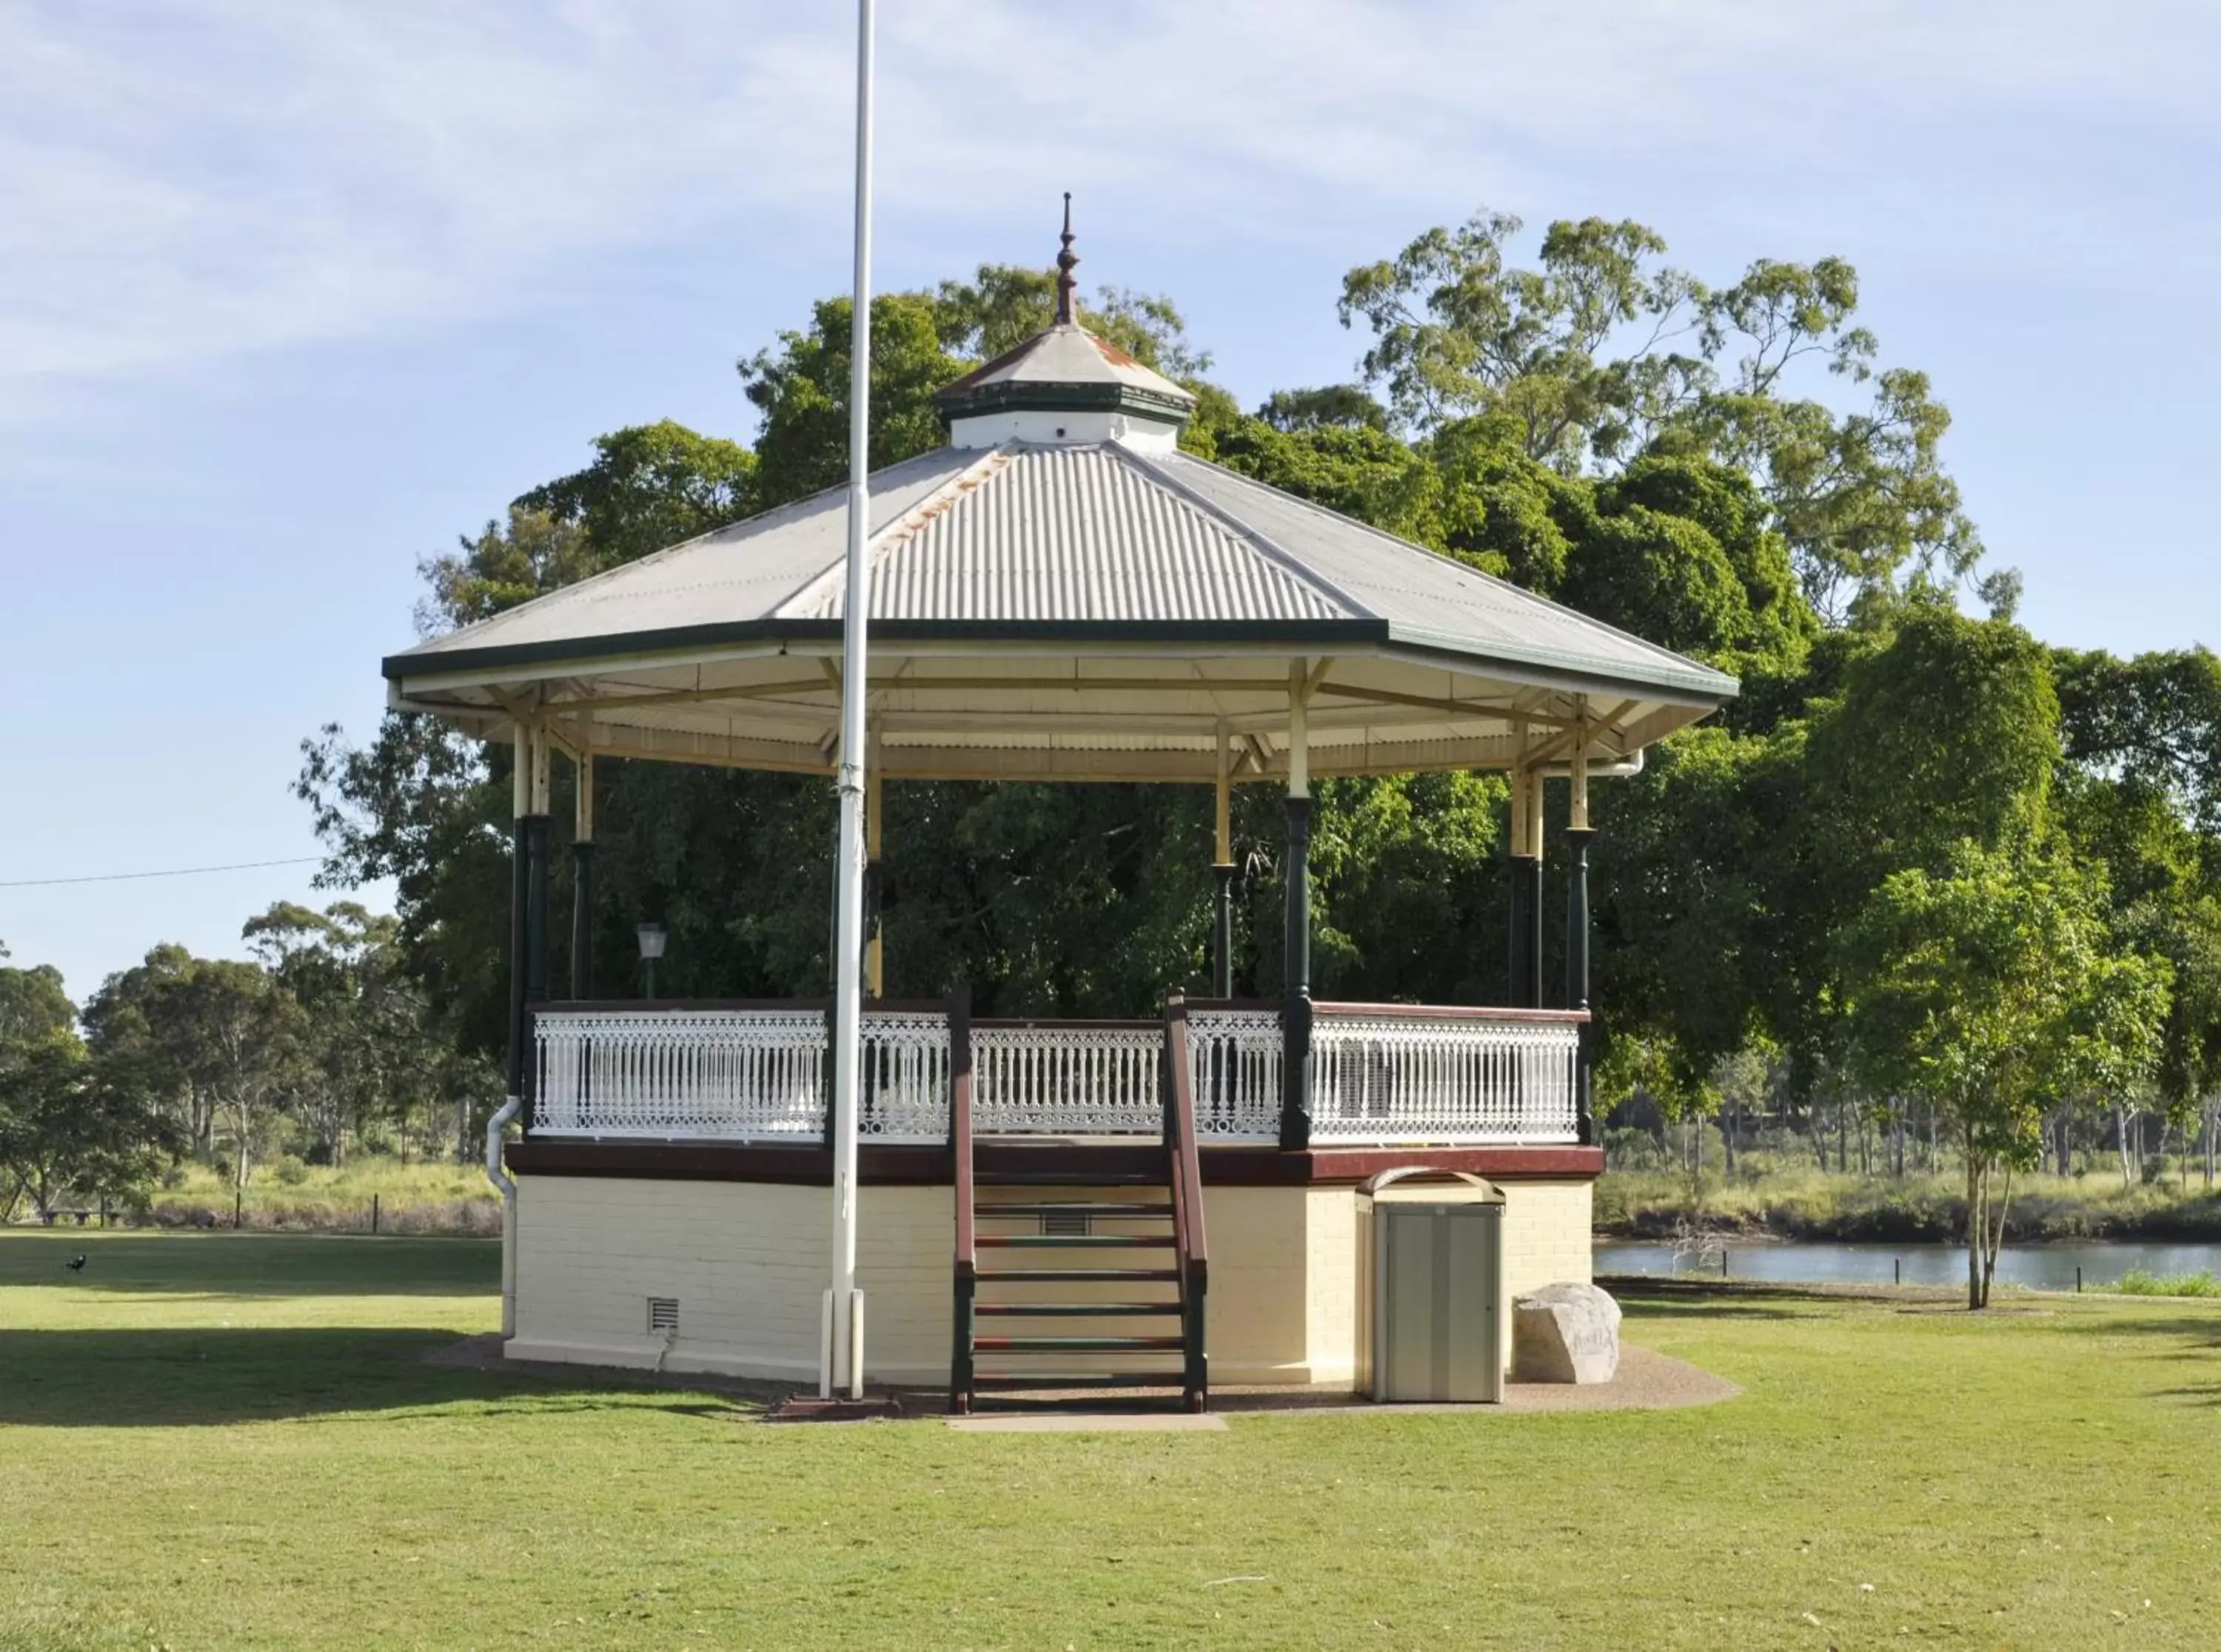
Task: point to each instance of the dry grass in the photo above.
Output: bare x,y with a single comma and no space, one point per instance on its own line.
441,1198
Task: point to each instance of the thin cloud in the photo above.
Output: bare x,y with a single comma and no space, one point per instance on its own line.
185,182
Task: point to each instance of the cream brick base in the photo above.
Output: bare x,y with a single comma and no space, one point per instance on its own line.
747,1263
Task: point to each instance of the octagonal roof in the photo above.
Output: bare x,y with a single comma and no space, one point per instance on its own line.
1077,609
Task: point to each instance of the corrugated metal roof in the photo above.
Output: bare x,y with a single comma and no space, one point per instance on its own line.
1073,534
1070,533
738,573
1421,593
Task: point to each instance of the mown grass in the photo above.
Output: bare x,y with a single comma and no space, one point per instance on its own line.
1798,1202
221,1441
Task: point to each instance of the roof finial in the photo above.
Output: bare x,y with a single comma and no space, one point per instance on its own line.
1064,260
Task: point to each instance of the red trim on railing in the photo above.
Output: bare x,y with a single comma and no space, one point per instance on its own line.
1065,1024
967,1250
1188,1236
807,1164
1446,1012
665,1006
960,1130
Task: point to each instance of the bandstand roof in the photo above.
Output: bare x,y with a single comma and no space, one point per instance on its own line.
1060,593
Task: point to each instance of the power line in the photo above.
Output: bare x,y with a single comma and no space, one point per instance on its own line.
175,871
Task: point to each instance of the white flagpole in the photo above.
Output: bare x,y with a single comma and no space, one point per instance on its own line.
842,1365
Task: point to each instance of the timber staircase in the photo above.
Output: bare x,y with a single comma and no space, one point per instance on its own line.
1079,1265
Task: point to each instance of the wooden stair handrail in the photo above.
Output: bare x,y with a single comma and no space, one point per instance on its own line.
959,1152
1192,1247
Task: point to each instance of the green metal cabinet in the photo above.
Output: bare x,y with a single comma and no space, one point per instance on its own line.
1436,1302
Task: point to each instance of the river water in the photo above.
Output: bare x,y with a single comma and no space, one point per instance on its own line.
2044,1267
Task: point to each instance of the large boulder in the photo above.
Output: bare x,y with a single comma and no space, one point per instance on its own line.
1565,1333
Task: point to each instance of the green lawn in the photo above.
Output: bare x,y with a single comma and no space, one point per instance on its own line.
233,1441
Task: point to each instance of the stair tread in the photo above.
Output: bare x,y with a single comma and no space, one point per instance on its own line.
1008,1379
1108,1344
1077,1241
1075,1309
1029,1207
1072,1275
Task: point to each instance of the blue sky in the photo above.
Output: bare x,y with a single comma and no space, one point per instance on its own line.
292,294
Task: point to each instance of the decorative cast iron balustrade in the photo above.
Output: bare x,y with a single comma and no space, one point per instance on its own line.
1381,1074
1066,1078
743,1075
1385,1074
905,1088
1235,1060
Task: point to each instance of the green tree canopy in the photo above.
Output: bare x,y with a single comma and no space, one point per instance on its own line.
1991,988
1603,353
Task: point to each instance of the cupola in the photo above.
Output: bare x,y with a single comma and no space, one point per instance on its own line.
1064,385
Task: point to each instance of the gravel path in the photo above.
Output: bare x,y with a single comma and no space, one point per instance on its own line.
1646,1382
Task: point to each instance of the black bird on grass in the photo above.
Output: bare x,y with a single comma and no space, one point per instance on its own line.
75,1264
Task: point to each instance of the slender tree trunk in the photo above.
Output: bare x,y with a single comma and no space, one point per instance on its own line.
1973,1226
1997,1236
239,1174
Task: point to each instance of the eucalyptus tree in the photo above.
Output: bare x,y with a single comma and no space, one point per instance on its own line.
66,1125
1602,352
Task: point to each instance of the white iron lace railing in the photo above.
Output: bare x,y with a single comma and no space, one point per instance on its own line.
1234,1064
1379,1075
905,1070
1069,1078
1385,1077
740,1074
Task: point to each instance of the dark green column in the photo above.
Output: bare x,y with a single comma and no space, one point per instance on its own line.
1524,936
582,919
1221,935
519,881
1296,985
536,840
1577,970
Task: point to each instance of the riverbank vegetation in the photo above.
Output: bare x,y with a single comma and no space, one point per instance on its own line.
2137,1282
1799,1202
1855,1494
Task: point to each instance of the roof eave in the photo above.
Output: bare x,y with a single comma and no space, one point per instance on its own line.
1697,688
1686,683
